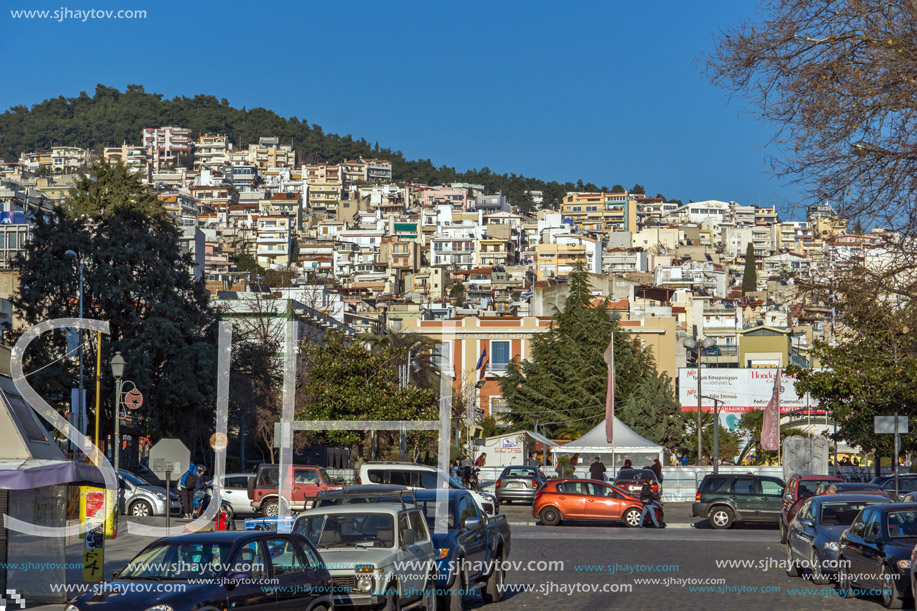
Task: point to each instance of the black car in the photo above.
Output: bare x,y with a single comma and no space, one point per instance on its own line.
218,570
519,483
631,480
875,552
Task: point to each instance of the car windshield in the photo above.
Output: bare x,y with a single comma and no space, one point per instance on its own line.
841,514
809,487
902,524
133,479
519,472
178,561
347,529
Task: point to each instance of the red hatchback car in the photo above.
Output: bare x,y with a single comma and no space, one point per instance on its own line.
583,499
798,489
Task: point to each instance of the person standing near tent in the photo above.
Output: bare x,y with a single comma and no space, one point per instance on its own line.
186,485
597,470
648,497
657,469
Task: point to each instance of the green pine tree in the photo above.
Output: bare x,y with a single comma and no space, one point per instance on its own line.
750,276
137,279
653,412
561,387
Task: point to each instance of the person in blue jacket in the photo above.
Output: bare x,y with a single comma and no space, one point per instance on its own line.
186,485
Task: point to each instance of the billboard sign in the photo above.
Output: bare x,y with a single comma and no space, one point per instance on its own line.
739,390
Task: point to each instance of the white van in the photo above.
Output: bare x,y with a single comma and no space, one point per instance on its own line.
412,475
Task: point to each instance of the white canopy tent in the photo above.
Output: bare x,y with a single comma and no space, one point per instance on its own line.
627,445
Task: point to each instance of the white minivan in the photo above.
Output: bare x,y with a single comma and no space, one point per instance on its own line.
412,475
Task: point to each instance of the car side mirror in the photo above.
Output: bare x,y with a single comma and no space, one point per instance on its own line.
807,522
788,497
407,537
473,524
114,574
237,577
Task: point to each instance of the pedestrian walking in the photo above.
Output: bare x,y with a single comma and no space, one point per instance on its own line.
648,497
597,470
186,485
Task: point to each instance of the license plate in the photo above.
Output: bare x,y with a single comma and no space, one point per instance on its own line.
515,485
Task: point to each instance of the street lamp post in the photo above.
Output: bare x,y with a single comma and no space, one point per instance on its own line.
716,434
117,370
82,406
698,347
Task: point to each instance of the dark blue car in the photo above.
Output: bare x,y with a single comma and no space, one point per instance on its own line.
875,552
215,571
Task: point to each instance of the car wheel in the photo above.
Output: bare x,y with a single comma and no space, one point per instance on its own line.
891,596
229,511
452,600
270,509
141,509
783,532
818,575
843,578
721,517
792,569
493,589
631,517
550,516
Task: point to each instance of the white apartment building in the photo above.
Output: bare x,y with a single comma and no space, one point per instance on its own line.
211,151
168,142
275,241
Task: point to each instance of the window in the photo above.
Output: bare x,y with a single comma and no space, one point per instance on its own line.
250,558
771,487
306,476
400,478
499,358
235,483
419,525
570,488
712,484
466,509
871,525
375,476
285,557
743,485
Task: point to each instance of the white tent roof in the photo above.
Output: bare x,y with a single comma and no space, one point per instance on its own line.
536,436
625,440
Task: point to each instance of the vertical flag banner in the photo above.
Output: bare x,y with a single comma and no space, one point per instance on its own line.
770,429
610,392
482,364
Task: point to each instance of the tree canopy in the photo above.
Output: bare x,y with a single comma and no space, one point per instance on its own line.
110,117
561,386
135,277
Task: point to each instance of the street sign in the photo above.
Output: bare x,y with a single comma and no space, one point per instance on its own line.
219,442
133,399
886,424
169,455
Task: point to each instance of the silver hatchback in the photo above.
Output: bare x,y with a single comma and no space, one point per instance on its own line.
141,499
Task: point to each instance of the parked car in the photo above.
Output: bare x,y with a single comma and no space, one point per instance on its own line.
412,475
519,483
798,489
586,499
875,552
218,570
139,498
815,531
631,480
235,490
469,538
725,499
855,488
907,482
381,556
305,482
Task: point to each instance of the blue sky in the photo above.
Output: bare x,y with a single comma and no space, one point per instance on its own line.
610,92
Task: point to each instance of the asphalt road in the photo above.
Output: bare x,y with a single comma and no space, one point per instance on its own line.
588,567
